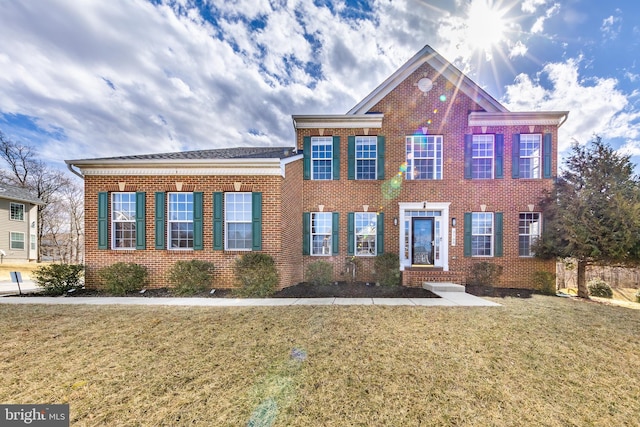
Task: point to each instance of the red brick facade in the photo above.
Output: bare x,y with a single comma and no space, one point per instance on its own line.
405,109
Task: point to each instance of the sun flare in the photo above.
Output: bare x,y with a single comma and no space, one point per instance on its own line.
486,25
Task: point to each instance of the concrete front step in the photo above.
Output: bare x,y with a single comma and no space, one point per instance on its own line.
443,287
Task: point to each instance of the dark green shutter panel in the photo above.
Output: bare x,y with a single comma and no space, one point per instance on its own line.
256,221
515,156
306,233
141,237
161,229
546,155
497,219
351,157
103,218
306,157
380,234
468,139
499,156
335,228
380,157
467,234
351,235
218,244
197,221
336,158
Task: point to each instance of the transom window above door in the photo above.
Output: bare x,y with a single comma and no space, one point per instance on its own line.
424,157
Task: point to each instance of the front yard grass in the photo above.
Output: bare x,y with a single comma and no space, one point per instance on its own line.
537,361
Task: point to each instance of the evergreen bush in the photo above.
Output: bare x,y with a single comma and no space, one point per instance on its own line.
387,269
191,277
56,279
123,277
319,273
545,282
599,288
257,274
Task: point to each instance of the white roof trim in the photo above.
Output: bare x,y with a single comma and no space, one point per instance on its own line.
525,118
444,68
338,121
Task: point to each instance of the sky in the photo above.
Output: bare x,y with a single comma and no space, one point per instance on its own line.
93,78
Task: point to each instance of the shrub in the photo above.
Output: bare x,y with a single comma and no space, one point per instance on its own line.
599,288
545,282
638,296
56,279
257,274
190,277
484,274
123,277
387,269
319,273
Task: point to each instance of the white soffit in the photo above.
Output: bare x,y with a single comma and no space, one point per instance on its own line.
338,121
543,118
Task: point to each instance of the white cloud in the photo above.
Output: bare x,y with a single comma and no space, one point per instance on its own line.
518,49
611,26
530,6
538,25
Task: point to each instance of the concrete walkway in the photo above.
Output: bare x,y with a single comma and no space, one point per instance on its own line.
450,299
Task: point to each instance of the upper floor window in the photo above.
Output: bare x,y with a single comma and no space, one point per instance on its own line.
528,232
321,157
482,156
424,157
530,155
365,233
321,232
366,155
180,220
16,241
17,211
238,221
482,234
123,220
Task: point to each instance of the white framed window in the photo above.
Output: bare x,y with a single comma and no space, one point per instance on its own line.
16,241
482,234
123,220
366,230
366,157
529,228
321,230
180,220
238,225
424,157
482,156
16,211
530,155
321,157
33,242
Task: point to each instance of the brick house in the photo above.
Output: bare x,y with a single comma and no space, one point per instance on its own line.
428,166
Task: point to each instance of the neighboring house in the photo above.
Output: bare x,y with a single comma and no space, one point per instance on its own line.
18,224
428,166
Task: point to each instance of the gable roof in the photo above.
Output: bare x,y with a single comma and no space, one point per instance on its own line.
19,194
444,68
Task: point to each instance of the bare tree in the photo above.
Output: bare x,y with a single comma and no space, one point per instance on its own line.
26,170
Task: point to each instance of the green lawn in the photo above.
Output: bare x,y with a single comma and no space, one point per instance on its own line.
541,361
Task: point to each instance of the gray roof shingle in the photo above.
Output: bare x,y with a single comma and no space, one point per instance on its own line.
214,154
13,192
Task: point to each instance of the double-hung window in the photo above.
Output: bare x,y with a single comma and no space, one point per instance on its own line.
180,220
366,155
482,156
424,157
528,232
322,158
238,221
321,232
530,155
482,234
123,220
17,211
16,241
365,233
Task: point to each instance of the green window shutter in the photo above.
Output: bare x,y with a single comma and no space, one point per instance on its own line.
218,244
161,228
335,233
380,157
256,221
306,157
467,234
306,233
141,237
336,158
546,155
103,219
351,235
197,221
380,234
499,156
351,157
497,219
515,156
468,139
